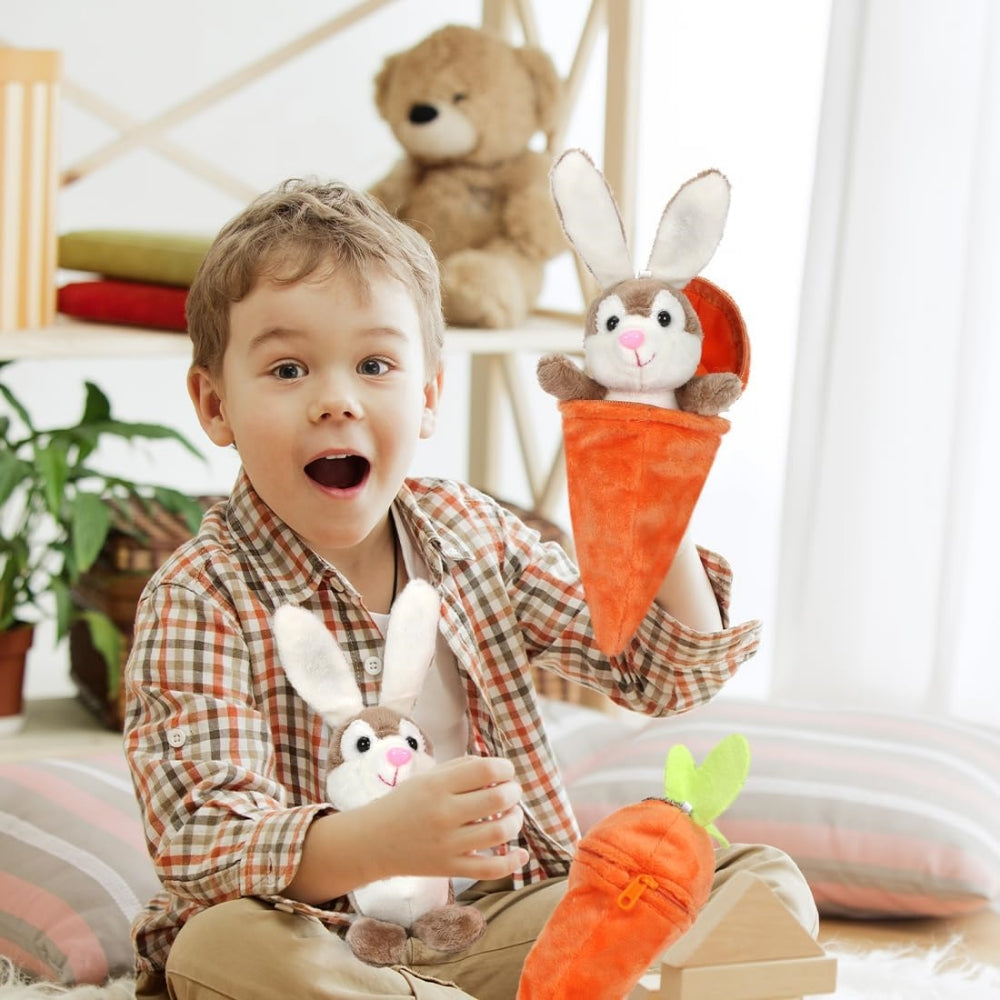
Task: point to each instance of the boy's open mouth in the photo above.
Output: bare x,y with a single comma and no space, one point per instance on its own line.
339,472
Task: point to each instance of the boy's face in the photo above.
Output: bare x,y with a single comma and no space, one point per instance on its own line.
325,396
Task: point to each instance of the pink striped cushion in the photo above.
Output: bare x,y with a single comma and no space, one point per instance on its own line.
73,867
887,815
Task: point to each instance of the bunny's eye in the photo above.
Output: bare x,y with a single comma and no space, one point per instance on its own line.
357,740
664,318
609,314
412,735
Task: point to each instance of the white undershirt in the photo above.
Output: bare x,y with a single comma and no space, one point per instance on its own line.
441,708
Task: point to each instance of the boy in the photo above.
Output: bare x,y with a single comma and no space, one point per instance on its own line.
317,332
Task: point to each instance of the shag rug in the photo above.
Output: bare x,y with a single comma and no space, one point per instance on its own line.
886,974
899,974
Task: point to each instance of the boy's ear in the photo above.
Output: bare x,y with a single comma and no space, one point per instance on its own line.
208,406
432,396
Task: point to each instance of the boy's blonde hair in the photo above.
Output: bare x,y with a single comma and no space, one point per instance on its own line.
295,230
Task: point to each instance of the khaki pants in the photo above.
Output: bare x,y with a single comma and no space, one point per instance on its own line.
247,950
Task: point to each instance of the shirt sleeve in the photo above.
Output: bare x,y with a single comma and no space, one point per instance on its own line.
217,821
665,668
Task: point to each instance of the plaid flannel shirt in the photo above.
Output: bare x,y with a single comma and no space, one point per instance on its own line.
229,764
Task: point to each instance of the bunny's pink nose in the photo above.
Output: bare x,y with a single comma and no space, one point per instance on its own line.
631,339
398,756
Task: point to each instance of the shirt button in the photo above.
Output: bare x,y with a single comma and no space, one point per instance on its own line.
176,737
373,666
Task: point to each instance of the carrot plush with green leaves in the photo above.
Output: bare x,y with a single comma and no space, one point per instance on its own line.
637,882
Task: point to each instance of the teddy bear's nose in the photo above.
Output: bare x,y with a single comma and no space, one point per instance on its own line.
421,114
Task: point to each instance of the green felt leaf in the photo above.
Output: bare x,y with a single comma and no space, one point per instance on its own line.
713,787
680,776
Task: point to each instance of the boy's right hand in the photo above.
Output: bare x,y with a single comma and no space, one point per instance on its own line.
452,820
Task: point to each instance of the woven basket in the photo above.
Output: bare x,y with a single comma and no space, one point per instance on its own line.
142,537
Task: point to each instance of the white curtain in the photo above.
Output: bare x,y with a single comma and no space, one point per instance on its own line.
889,586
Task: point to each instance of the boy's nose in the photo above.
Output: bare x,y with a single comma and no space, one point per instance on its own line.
334,404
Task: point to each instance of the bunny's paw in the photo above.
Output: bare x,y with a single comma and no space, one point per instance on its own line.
377,942
561,378
449,928
710,395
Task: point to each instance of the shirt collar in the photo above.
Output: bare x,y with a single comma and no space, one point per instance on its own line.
293,572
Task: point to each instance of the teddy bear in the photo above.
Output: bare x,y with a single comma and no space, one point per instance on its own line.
465,105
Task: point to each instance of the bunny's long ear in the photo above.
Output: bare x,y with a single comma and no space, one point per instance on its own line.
409,645
590,217
315,665
690,229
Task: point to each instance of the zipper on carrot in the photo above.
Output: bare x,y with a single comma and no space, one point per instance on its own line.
629,896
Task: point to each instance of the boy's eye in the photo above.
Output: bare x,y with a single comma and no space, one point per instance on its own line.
373,366
289,370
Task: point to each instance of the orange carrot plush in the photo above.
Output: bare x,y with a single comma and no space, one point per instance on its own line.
664,354
637,882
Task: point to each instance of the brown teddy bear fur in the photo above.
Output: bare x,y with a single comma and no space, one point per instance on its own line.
464,104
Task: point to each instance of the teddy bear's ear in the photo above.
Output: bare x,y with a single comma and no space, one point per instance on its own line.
547,84
382,80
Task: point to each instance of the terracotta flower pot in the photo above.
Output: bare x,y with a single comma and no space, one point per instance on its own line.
14,646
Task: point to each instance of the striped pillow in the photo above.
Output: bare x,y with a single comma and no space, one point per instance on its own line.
887,815
73,867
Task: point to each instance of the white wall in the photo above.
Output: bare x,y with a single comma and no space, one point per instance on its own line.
724,84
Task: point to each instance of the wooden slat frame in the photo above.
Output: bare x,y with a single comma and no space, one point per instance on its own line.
29,104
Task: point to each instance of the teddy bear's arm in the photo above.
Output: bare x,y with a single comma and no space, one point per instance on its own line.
394,189
709,395
559,377
529,215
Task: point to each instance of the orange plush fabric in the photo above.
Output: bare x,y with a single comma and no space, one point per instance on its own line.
726,347
638,880
634,474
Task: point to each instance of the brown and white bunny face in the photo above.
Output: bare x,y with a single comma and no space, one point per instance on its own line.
373,753
642,337
642,340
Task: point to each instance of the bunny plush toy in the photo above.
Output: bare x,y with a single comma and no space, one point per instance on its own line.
375,749
643,337
665,352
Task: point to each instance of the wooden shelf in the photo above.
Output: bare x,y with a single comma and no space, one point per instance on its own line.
68,338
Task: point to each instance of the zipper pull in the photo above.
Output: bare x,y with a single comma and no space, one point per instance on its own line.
629,896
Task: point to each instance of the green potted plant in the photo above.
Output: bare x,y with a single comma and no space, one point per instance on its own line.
56,510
